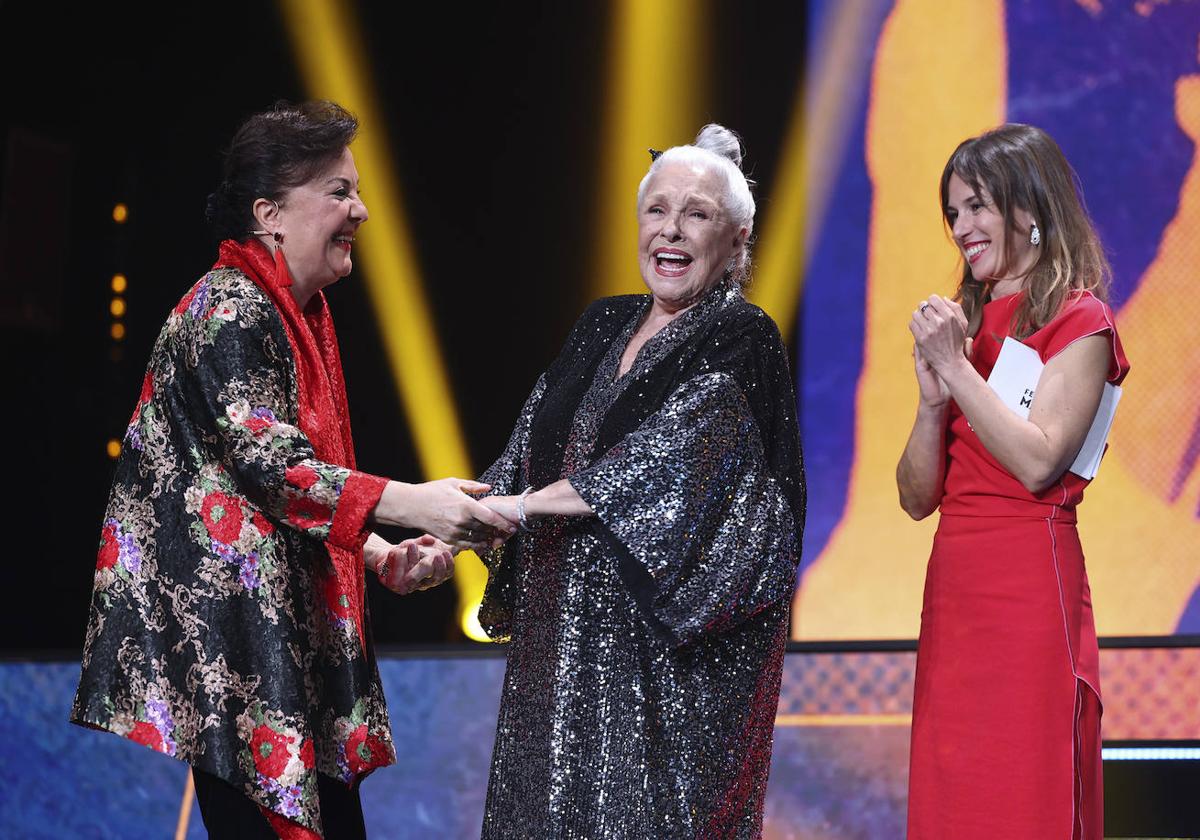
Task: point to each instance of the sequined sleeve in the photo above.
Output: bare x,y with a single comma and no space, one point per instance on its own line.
702,531
508,475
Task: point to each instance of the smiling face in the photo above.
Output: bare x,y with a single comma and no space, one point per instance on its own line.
685,239
318,220
981,234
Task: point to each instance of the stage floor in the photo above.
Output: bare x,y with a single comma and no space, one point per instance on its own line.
839,769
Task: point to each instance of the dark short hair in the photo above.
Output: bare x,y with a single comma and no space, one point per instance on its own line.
271,153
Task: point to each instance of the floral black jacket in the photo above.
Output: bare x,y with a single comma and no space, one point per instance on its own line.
218,633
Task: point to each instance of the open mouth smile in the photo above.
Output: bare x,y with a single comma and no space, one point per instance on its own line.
671,262
973,250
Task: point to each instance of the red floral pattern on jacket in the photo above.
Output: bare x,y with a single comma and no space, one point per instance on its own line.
218,631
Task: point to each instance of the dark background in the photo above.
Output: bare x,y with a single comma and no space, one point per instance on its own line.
495,116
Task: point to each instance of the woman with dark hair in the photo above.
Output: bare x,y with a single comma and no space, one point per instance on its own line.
1006,715
228,625
656,470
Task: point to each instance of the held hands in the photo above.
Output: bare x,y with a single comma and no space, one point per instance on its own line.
939,330
444,509
414,565
557,499
505,506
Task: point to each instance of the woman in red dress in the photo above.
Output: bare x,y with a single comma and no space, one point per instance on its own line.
1006,715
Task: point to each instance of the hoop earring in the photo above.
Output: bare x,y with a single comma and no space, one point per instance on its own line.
1035,235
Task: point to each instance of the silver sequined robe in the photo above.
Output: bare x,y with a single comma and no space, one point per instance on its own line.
647,642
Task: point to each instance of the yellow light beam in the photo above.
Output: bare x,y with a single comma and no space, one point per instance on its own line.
185,807
921,107
656,74
822,117
330,54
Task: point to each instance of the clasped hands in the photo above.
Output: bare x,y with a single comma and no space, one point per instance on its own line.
457,517
940,341
456,520
506,506
414,565
471,520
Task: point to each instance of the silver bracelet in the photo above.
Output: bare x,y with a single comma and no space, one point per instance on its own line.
522,522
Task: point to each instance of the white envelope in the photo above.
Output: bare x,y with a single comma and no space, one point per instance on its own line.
1015,378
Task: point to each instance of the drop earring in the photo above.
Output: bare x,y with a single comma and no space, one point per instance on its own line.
1035,235
277,236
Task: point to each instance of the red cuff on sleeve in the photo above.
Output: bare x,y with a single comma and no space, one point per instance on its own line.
359,497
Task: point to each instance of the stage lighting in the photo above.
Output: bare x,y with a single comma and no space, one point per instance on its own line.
469,620
326,38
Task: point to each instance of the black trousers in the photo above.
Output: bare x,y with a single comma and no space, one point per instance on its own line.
231,815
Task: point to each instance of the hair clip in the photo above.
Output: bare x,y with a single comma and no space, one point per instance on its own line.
655,154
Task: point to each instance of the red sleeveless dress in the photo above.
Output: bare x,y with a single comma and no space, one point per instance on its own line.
1006,712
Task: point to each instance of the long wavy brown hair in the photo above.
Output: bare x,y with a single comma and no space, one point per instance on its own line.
1021,167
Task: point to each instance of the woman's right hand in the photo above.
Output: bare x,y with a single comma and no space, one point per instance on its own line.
414,565
934,393
443,508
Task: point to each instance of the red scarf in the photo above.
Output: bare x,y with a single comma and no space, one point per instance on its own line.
324,414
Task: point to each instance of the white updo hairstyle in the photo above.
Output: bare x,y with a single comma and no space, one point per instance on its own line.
717,149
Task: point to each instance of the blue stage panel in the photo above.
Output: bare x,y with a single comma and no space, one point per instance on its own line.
59,780
839,769
443,715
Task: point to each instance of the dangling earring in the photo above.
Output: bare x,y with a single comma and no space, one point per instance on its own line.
1035,235
277,236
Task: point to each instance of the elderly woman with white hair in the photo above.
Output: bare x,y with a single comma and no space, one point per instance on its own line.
656,476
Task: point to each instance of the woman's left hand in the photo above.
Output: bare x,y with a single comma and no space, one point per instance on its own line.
414,565
940,329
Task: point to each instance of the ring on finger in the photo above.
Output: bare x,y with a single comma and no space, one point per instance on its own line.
924,306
